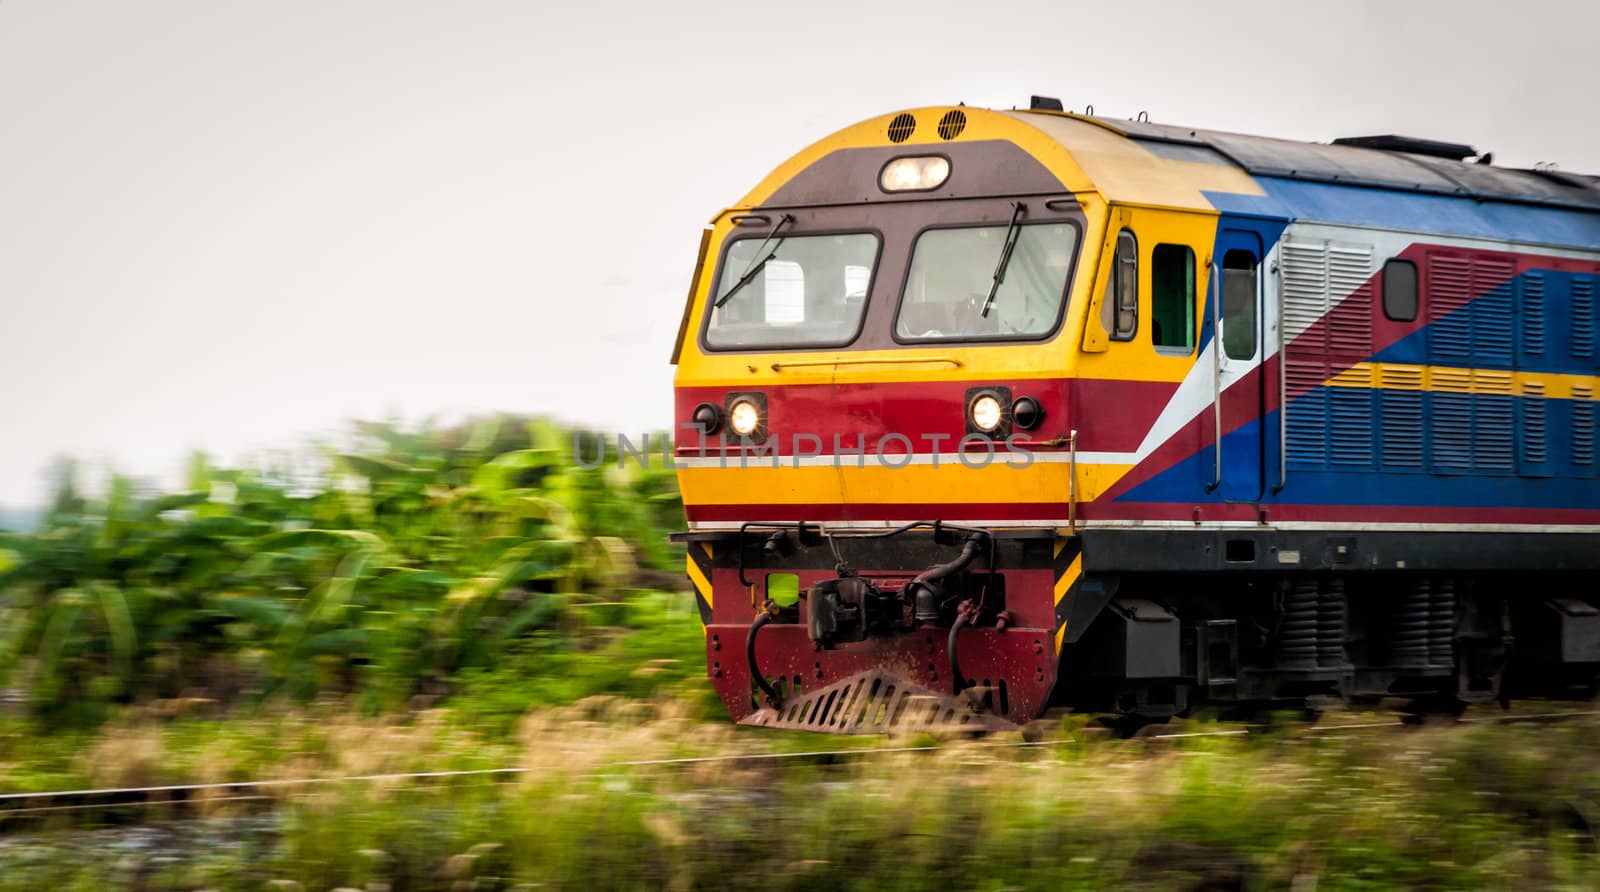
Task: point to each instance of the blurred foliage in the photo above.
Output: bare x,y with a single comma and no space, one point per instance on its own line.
397,566
485,563
1507,806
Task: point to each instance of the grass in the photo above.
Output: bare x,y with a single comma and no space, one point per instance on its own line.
1486,806
653,650
1472,806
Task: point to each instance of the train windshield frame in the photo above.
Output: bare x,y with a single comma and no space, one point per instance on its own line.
805,291
951,273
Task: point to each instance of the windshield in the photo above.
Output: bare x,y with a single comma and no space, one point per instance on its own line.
953,270
797,291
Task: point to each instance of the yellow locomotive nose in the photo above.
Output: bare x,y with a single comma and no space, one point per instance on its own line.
893,370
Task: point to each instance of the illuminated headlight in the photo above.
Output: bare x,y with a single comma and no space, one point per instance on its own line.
985,412
917,173
744,418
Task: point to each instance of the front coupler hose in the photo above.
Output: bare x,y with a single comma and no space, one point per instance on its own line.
969,552
966,614
773,698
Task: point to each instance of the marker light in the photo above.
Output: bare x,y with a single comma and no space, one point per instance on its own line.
916,173
1026,413
744,418
985,412
708,418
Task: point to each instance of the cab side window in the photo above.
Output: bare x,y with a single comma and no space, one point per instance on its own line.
1120,307
1239,305
1172,297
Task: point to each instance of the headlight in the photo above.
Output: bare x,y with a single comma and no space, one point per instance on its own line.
744,418
985,412
919,173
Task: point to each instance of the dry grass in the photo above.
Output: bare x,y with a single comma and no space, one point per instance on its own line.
1451,807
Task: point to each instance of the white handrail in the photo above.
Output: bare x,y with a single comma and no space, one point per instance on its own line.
1283,394
1216,369
1072,482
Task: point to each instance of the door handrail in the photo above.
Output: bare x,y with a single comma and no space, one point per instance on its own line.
1216,370
1072,482
1283,394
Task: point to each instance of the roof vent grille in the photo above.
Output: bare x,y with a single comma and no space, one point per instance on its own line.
953,122
1389,142
901,128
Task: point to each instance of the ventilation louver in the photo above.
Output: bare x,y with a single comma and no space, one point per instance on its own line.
901,128
953,122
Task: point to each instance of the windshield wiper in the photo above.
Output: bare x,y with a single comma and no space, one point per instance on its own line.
1012,231
758,265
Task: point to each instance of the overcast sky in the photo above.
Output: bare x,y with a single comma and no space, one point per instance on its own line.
231,225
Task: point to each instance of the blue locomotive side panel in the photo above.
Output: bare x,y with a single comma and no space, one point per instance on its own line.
1440,361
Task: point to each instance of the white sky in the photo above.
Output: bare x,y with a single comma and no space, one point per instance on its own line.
232,225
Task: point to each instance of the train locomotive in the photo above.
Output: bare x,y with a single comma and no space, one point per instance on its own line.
984,411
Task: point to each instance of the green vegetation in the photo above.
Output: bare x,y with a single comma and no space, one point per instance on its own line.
410,564
472,598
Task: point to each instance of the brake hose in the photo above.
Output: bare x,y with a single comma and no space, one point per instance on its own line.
955,665
773,698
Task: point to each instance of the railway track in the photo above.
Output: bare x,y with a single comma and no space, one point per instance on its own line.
16,806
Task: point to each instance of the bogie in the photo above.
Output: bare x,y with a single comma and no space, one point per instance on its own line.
1438,641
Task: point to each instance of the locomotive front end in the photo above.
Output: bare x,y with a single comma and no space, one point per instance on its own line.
875,443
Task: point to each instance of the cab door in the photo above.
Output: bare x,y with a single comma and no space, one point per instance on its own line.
1240,320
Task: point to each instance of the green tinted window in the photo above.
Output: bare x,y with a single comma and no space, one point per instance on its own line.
1172,296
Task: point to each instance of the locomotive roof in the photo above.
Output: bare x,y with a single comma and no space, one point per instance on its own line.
1423,170
1384,182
